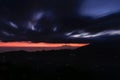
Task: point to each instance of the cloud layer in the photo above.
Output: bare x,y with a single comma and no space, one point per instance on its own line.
58,20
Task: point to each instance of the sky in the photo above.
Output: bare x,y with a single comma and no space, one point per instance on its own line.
59,21
99,8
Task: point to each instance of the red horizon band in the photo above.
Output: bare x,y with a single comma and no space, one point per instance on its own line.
40,44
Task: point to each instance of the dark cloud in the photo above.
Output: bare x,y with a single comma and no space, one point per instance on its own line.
58,20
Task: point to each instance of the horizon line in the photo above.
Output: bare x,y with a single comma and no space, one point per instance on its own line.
40,44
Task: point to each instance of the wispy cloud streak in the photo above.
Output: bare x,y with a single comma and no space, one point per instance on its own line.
83,34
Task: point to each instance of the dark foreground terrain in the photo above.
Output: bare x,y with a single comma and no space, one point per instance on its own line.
93,62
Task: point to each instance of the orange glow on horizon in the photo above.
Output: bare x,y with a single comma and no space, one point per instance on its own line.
41,44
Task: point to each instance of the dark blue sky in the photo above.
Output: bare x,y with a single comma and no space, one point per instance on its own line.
59,20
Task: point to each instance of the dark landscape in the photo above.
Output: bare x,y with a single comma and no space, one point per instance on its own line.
96,62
